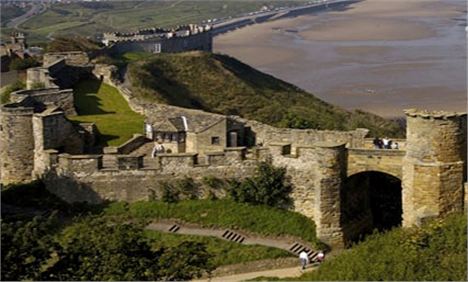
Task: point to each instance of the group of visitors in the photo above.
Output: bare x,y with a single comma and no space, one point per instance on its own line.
385,143
304,258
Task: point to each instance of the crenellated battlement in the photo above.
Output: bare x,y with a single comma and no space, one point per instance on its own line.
425,114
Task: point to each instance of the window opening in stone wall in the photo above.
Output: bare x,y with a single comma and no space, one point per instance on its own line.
157,48
215,140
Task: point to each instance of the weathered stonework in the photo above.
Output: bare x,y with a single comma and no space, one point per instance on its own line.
434,167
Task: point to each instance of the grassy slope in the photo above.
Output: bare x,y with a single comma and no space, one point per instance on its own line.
436,252
88,19
222,213
222,84
102,104
34,197
224,252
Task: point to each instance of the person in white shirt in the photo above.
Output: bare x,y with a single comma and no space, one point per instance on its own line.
304,258
385,142
320,257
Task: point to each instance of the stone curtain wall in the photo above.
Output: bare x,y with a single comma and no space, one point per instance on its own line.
83,178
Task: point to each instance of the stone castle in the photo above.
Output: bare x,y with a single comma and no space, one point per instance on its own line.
37,141
159,40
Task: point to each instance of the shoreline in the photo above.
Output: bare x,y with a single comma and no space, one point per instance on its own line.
379,56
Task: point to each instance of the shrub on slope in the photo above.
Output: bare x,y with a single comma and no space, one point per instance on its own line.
436,252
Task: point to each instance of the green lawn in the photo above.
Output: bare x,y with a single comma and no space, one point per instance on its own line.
222,213
102,104
224,252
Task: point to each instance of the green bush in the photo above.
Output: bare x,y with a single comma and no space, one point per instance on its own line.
269,186
5,94
26,248
94,249
38,85
22,64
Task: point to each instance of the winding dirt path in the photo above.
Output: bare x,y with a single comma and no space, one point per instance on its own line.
281,273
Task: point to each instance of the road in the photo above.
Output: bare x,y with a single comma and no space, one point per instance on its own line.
36,8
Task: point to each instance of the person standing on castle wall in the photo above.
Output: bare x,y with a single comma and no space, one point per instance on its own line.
385,142
377,143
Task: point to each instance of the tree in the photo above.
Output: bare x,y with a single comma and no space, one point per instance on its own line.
269,186
22,64
26,247
186,261
95,249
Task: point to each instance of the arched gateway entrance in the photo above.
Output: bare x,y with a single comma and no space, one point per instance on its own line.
370,200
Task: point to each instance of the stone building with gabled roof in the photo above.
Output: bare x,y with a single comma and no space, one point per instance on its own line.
191,133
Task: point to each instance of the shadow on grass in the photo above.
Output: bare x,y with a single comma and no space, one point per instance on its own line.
86,100
26,201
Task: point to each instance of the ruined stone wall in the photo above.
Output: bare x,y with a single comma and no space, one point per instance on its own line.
53,131
61,98
39,75
16,144
303,137
74,58
434,166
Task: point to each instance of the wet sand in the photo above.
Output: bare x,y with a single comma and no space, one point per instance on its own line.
378,55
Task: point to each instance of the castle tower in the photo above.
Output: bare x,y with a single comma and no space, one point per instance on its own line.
16,144
434,168
330,169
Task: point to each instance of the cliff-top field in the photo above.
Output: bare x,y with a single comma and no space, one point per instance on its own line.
221,84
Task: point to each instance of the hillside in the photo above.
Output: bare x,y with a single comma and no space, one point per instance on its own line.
221,84
435,252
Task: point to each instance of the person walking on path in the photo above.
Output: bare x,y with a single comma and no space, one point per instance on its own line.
304,258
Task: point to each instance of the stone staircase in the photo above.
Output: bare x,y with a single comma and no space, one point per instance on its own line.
296,248
233,236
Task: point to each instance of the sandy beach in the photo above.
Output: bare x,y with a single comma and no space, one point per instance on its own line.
377,55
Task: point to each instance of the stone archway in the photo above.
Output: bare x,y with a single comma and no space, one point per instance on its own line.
370,200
